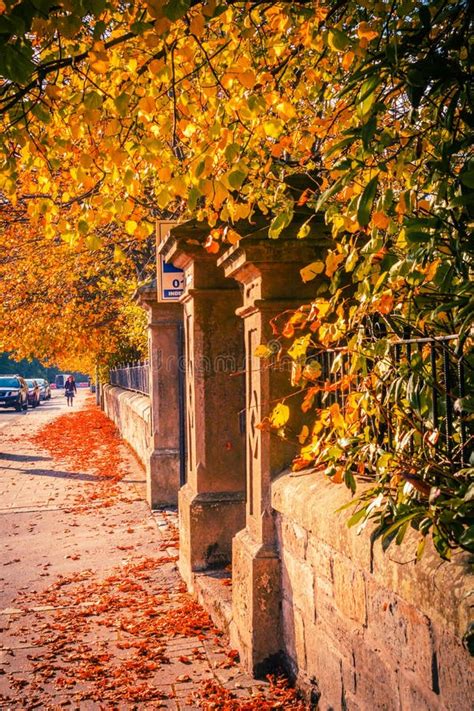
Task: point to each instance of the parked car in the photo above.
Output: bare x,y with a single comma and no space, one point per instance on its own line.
33,392
45,389
13,392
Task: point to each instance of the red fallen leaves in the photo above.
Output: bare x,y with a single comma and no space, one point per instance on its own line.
128,600
213,695
107,639
73,436
88,442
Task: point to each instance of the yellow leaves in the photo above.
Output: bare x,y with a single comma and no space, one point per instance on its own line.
130,227
220,194
93,242
273,128
321,306
330,332
402,207
312,370
285,110
298,348
262,351
431,269
235,210
178,186
112,128
311,271
188,128
119,254
279,415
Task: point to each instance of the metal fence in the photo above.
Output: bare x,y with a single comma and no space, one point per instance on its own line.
132,376
423,386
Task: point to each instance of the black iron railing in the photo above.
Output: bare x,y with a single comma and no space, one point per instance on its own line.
419,386
132,376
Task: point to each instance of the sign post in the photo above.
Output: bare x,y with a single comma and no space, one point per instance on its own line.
170,279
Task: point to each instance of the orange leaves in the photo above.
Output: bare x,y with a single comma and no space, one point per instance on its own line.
367,31
211,245
280,695
333,260
336,416
311,271
74,436
385,303
380,219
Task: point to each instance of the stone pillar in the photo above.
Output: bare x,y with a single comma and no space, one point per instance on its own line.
212,502
164,334
269,273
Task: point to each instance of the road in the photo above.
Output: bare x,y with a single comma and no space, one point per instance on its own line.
9,416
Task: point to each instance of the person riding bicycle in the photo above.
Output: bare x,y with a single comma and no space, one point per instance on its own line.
70,390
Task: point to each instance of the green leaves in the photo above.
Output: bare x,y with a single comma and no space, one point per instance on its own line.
121,103
365,202
236,178
175,9
16,62
337,40
367,96
93,100
467,178
279,223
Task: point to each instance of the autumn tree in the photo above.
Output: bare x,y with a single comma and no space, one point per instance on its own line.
113,111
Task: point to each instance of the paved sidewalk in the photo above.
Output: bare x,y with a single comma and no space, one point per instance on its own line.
93,614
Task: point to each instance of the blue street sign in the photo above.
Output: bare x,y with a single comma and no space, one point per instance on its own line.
171,281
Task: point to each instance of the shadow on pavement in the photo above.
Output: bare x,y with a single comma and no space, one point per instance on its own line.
5,411
80,476
24,457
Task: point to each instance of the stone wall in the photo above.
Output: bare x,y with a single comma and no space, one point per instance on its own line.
367,630
131,412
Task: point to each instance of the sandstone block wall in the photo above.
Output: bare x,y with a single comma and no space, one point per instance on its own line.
131,412
368,630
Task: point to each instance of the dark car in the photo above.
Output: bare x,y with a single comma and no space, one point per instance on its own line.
34,392
45,389
13,392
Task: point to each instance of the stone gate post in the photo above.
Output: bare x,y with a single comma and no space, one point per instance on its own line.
269,273
165,322
212,502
